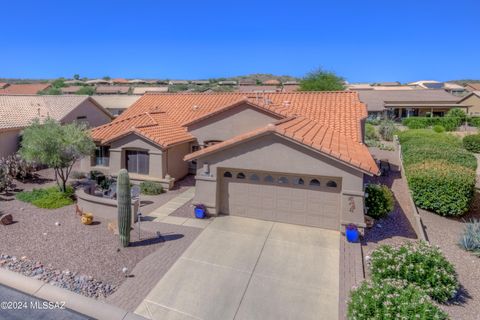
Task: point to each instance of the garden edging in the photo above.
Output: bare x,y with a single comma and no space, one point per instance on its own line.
420,227
81,304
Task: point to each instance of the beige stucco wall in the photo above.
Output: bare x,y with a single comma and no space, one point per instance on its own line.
230,123
474,102
175,166
118,150
95,116
9,142
273,153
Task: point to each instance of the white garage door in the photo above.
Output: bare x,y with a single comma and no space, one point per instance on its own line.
298,199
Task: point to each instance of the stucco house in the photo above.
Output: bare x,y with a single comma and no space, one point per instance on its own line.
17,112
291,157
473,101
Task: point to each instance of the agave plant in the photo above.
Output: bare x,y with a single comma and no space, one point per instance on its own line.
470,239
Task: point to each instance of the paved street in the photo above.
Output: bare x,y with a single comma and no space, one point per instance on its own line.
241,269
29,311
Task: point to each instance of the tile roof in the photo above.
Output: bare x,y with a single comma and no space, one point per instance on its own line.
327,121
30,88
71,89
115,101
258,88
112,89
17,111
143,90
3,85
376,99
473,86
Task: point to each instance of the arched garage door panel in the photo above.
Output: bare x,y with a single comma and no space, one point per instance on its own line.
297,199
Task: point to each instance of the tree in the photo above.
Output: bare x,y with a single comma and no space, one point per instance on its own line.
76,76
321,80
86,91
59,83
51,91
56,146
106,78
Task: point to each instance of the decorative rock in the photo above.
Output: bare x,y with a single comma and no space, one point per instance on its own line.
57,223
6,219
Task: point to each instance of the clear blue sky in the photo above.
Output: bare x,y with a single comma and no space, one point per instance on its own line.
365,40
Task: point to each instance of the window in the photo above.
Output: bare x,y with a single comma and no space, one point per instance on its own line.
282,180
227,174
298,181
209,143
314,183
102,156
254,177
137,161
268,179
195,148
82,120
331,184
240,175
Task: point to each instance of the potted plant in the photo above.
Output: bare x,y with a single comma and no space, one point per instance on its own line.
351,233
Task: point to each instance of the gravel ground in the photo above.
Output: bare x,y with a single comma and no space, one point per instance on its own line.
71,247
185,211
445,233
398,226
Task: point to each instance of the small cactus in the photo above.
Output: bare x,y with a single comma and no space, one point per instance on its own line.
124,207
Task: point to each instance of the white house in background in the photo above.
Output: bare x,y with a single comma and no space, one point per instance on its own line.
116,103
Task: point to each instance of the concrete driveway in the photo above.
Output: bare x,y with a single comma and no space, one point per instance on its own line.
245,269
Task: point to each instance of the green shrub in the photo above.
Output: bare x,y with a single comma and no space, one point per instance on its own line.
391,299
379,201
417,263
443,188
151,188
387,130
456,113
49,198
373,121
438,128
474,121
78,175
470,239
416,122
370,132
449,123
472,143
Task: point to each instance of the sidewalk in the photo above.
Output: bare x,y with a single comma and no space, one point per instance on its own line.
162,214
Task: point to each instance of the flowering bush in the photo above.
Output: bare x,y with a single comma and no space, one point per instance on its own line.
379,200
419,264
392,299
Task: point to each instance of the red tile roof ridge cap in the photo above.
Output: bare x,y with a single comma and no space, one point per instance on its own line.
137,115
243,93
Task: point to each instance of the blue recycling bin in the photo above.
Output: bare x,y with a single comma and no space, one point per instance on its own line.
352,234
200,212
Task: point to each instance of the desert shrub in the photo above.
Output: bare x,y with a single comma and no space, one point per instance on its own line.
449,123
370,132
474,121
379,201
387,130
48,198
472,143
438,128
418,263
151,188
373,121
470,239
421,145
391,299
443,188
456,113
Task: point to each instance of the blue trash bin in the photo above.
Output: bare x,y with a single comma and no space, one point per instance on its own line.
351,233
200,212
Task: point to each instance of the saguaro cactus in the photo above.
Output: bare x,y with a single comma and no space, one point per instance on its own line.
124,207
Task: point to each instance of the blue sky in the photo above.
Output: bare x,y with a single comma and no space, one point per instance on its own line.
365,40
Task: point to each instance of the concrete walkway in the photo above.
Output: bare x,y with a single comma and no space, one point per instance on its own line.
162,214
241,268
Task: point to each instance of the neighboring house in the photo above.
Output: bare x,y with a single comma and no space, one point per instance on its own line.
201,82
399,104
272,82
143,90
3,85
97,81
473,101
453,88
112,89
30,88
472,86
116,104
73,82
178,82
259,88
18,111
70,90
247,82
388,84
290,157
427,84
120,81
291,86
137,81
359,86
227,83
